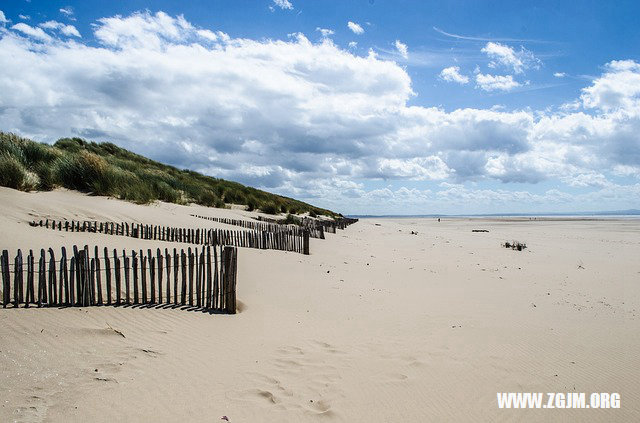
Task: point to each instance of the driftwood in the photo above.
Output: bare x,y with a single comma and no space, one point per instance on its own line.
515,245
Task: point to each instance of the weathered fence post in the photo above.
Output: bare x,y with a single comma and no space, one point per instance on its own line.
90,289
134,261
229,270
183,291
160,262
72,275
126,277
116,269
208,298
81,277
167,258
18,289
98,298
176,269
305,246
143,276
191,264
152,275
42,279
6,281
64,272
107,269
53,298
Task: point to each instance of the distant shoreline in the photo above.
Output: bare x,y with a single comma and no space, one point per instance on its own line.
635,214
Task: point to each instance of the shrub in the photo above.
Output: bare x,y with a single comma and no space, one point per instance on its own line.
207,198
37,153
10,146
72,145
85,172
45,175
269,208
166,193
12,173
31,181
291,220
137,193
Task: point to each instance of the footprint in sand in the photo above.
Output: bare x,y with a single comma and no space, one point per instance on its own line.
304,378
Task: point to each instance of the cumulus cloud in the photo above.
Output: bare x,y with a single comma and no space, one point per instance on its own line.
309,120
503,55
283,4
325,32
618,88
67,11
452,74
357,29
559,74
24,17
353,44
417,168
36,33
68,30
3,18
402,49
488,82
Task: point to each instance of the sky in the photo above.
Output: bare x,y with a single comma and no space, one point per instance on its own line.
363,106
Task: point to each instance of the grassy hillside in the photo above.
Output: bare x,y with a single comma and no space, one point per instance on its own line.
106,169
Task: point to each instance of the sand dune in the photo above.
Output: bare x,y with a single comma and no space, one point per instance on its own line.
376,325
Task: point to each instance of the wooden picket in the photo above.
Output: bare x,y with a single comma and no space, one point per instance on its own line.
285,238
210,281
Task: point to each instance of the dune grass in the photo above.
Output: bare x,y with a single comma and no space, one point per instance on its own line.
106,169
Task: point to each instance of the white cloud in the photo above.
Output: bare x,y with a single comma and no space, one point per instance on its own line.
559,74
142,30
24,17
402,49
357,29
310,120
353,44
618,88
452,74
325,32
417,168
3,18
36,33
503,55
283,4
67,11
207,34
496,82
588,179
68,30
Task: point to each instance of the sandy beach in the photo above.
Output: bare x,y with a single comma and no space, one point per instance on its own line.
376,325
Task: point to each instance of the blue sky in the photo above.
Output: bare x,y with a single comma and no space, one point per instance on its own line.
362,106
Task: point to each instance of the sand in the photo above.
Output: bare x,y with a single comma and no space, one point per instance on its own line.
376,325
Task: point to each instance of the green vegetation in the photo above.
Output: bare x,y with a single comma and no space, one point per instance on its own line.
292,220
106,169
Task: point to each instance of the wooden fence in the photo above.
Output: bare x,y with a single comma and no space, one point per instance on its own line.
204,280
271,225
332,225
286,239
318,225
